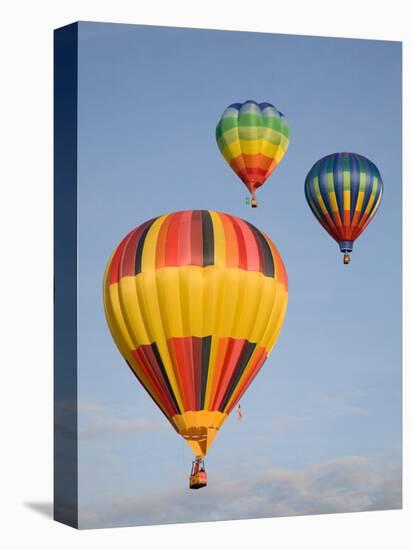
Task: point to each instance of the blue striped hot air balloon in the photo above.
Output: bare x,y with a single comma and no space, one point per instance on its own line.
344,191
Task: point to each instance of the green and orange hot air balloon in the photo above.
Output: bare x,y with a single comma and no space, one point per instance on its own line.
195,301
253,138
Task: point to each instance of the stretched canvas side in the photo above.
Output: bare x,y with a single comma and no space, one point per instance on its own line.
65,276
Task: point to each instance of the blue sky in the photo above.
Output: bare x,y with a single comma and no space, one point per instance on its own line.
322,421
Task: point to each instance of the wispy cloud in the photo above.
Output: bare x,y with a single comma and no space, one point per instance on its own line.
349,484
110,425
97,421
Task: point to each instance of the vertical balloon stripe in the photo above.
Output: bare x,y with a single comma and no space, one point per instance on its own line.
345,215
196,239
326,187
232,247
208,239
376,201
184,255
354,183
172,240
115,262
130,261
220,346
253,253
159,242
240,367
231,351
219,241
279,270
338,174
181,353
242,251
328,217
367,189
264,251
139,251
370,202
206,343
152,367
164,374
323,197
197,369
316,211
150,245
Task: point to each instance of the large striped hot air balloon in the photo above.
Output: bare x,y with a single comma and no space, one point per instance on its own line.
344,191
253,139
195,301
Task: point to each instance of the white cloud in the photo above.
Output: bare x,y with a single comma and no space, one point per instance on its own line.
349,484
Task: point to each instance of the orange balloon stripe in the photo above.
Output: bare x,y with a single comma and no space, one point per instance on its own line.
254,261
232,246
184,239
258,161
161,242
196,247
172,241
355,224
180,351
219,362
197,346
346,224
243,252
229,361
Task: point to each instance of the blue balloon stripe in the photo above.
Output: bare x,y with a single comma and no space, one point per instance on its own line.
338,181
354,170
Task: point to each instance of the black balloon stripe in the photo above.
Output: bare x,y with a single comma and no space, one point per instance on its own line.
208,239
139,249
239,370
206,344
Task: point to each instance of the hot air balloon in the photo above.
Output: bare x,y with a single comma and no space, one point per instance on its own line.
195,301
253,139
344,191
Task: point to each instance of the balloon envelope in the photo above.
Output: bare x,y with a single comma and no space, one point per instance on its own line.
253,138
344,191
195,301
